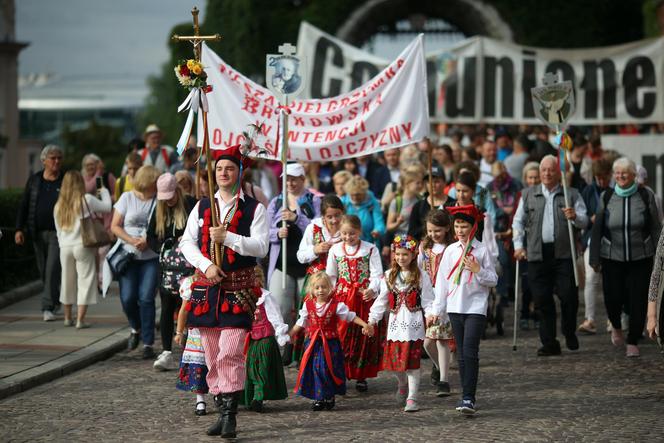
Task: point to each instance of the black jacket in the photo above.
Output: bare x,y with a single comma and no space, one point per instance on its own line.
25,219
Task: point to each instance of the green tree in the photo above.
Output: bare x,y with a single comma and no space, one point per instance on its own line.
103,140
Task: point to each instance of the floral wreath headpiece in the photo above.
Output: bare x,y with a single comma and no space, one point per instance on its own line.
404,242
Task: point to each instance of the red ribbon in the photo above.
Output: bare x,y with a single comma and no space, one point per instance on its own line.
307,356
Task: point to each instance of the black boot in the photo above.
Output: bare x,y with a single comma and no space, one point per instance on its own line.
215,429
228,412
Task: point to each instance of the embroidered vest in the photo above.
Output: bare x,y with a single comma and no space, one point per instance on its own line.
212,306
320,263
327,323
240,224
261,327
410,297
431,264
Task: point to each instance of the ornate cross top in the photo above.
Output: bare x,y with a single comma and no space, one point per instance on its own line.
550,78
196,39
287,49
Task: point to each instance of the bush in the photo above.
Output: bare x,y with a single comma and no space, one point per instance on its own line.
18,262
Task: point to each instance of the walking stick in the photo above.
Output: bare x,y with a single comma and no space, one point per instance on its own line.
516,304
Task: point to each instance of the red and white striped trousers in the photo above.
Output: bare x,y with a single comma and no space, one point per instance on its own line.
225,358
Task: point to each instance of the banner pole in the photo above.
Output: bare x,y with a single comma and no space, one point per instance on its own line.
570,228
284,191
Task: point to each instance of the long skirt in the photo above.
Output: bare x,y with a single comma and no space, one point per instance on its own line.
193,370
402,355
265,372
316,382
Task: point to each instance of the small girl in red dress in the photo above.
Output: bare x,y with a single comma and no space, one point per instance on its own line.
355,266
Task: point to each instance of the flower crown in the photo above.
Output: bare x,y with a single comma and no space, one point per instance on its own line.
404,242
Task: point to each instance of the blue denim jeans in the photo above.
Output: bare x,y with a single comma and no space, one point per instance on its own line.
138,287
468,329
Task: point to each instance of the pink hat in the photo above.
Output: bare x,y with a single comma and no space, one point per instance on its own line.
166,186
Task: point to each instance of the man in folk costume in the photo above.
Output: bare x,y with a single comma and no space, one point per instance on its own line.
224,298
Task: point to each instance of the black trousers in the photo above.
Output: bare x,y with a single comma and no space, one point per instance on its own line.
47,254
468,329
545,277
626,288
169,304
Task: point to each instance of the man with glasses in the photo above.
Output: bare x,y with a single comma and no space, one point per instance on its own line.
35,215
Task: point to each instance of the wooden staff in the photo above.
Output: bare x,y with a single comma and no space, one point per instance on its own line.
196,40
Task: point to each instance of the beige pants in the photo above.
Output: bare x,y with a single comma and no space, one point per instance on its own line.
79,275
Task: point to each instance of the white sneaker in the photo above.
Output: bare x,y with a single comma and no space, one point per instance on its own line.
49,316
164,362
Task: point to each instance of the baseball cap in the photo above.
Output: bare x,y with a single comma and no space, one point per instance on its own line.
166,186
294,170
436,171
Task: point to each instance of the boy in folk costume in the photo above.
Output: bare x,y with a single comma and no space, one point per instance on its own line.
319,236
224,297
407,293
465,276
265,371
355,266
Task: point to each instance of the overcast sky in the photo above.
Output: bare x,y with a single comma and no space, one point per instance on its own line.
92,37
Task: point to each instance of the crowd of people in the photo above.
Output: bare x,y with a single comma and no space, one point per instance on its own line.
386,256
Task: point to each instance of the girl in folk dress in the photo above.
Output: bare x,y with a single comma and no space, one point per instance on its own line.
322,373
193,370
265,370
407,294
318,238
439,340
465,277
355,266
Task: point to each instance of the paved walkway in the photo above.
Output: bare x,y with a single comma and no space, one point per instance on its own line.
33,351
594,394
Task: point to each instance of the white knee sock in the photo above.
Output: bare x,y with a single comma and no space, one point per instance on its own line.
199,398
413,383
443,359
402,380
430,346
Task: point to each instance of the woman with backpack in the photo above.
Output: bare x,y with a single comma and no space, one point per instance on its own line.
166,226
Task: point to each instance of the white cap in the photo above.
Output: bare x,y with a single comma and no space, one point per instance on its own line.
294,170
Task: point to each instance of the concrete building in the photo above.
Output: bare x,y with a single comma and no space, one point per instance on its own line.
13,159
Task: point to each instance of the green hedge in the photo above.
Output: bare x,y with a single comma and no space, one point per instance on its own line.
18,262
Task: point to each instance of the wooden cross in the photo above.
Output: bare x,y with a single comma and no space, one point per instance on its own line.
196,39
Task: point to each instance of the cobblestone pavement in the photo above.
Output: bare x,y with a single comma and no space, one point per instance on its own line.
594,394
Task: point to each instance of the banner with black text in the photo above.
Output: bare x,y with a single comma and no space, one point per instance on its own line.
485,80
389,110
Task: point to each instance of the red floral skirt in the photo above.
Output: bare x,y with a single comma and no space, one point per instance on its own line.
401,355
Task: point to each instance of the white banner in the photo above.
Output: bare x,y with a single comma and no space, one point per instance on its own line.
485,80
388,111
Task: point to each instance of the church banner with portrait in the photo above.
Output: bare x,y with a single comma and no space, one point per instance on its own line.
389,110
